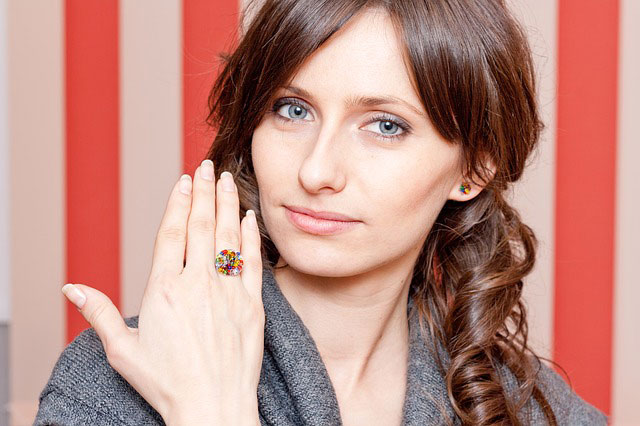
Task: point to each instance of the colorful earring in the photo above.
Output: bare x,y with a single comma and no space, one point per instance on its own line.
465,188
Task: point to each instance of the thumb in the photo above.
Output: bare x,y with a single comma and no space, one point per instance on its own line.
100,312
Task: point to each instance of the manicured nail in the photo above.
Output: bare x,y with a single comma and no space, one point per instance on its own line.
206,169
253,223
74,294
185,184
227,182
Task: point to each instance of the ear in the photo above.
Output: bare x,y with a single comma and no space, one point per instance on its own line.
464,189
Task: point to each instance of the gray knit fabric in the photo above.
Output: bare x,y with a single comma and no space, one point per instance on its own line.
294,387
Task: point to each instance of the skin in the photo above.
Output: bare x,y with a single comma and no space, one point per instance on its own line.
351,288
197,352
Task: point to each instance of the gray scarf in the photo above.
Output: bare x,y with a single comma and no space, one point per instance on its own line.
294,387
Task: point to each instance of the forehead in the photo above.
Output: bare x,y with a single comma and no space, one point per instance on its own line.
365,57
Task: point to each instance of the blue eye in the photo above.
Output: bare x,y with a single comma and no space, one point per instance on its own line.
290,109
296,111
388,127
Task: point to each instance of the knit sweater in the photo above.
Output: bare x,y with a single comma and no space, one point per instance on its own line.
294,386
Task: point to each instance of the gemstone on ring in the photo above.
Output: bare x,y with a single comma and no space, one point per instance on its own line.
229,262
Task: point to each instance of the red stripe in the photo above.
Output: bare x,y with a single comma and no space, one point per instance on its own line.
92,155
209,27
585,194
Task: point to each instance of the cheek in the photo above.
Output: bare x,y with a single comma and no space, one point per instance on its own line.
408,202
274,167
272,146
406,206
408,187
269,157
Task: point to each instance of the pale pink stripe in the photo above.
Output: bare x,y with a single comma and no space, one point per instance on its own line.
626,349
36,131
151,96
534,194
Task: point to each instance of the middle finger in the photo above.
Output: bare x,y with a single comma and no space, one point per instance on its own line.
202,219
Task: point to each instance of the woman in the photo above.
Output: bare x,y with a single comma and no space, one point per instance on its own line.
382,285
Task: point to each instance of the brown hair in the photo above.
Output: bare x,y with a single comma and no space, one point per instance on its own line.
473,71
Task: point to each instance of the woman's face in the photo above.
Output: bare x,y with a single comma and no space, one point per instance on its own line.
328,145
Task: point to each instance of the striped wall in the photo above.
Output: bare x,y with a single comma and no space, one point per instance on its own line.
151,133
626,315
35,100
533,194
5,264
102,107
585,193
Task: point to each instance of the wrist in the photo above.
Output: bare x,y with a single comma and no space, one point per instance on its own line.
241,412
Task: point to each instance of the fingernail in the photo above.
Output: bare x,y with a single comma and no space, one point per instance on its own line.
185,184
206,169
253,223
227,182
74,294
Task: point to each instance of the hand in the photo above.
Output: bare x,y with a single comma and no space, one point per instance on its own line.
197,351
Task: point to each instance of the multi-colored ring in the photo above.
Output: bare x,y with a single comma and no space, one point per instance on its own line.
229,262
465,188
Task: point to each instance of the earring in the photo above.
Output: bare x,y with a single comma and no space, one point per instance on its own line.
465,188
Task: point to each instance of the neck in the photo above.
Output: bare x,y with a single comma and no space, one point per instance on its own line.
359,323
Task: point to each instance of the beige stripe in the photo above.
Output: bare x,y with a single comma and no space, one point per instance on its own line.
151,114
5,226
626,337
5,184
534,195
36,117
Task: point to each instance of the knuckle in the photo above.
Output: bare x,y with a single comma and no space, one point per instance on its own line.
257,314
253,314
113,348
228,235
202,224
254,267
172,233
96,315
168,295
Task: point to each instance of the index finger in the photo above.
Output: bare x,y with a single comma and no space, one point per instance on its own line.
169,248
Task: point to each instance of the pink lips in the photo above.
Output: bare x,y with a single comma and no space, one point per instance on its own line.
319,223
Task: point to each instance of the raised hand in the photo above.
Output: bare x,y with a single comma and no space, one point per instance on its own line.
197,353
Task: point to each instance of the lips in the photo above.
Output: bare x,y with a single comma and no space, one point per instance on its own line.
319,223
322,214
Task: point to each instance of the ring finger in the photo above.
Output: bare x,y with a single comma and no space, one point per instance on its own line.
228,217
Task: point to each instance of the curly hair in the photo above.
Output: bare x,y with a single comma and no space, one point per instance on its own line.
472,68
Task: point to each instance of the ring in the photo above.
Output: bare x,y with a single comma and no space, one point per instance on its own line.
229,262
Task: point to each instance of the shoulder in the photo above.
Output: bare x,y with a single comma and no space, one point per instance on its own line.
567,405
84,389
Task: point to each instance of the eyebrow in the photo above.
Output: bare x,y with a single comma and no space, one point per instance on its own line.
363,100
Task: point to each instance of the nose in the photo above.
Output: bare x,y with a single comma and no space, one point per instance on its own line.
323,168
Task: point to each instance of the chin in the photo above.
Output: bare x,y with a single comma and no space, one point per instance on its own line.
317,269
309,261
321,262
